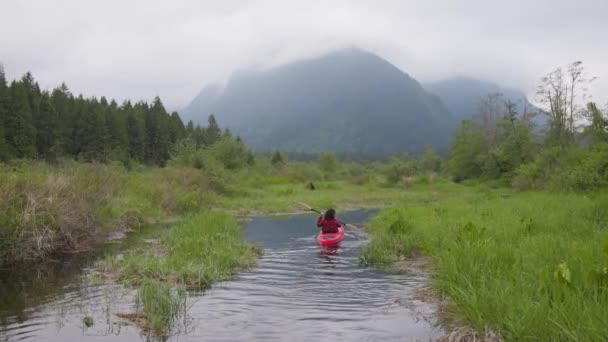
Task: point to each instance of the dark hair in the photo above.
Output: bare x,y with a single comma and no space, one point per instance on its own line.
330,214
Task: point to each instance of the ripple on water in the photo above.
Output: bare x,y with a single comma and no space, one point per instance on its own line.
297,292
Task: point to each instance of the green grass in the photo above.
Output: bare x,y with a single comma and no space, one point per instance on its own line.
196,252
160,304
530,266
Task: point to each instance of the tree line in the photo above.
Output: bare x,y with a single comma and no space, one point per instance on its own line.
565,146
48,125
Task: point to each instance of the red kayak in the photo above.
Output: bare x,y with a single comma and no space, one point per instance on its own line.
330,239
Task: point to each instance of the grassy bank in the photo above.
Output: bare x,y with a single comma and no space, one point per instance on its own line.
72,206
202,249
530,266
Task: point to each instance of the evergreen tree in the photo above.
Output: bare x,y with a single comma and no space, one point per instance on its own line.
277,159
47,129
19,130
157,134
33,93
63,102
190,128
212,132
136,133
4,155
116,127
177,130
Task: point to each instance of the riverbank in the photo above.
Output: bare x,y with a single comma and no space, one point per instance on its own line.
49,209
526,266
45,209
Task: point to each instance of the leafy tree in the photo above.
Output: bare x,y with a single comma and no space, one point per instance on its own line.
598,129
559,95
430,160
397,169
230,152
328,163
467,150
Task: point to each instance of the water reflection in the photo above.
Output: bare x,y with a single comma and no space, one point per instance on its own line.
298,292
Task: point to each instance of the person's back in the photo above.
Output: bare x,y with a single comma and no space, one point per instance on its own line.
328,222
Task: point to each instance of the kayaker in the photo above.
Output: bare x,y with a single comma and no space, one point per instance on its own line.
328,222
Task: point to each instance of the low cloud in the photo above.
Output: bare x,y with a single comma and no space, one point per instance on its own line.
139,49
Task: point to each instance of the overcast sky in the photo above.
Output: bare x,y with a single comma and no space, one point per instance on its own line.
140,49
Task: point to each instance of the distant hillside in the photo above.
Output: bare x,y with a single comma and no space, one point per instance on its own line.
345,101
462,95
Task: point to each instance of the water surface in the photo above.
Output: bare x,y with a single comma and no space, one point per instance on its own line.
298,292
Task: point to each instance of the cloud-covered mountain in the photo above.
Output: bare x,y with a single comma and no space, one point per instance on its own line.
348,100
462,95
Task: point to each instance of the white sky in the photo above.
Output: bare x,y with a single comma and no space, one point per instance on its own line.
139,49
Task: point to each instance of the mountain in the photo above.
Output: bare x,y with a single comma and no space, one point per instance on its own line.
345,101
462,95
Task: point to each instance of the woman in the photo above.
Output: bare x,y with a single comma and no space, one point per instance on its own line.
328,222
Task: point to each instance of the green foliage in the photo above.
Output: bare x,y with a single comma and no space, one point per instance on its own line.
545,282
398,169
430,161
202,249
88,321
328,163
19,130
231,153
393,238
36,124
160,303
467,151
277,159
597,131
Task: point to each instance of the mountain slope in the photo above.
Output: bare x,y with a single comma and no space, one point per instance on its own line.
463,95
349,100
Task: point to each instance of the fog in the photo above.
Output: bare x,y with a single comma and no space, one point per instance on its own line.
141,49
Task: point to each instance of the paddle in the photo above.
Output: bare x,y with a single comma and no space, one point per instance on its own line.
346,225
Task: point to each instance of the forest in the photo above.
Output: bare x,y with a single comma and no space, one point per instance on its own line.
51,125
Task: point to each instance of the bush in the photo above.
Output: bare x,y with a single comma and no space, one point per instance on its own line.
398,170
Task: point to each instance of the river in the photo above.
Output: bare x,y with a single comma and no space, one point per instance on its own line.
298,292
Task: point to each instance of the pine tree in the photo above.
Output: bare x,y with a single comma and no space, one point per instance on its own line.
19,130
176,128
47,129
277,159
63,102
213,131
4,155
135,133
157,134
190,129
116,126
95,145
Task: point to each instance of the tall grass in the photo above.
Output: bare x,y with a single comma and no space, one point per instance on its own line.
160,304
47,208
198,251
530,266
43,208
